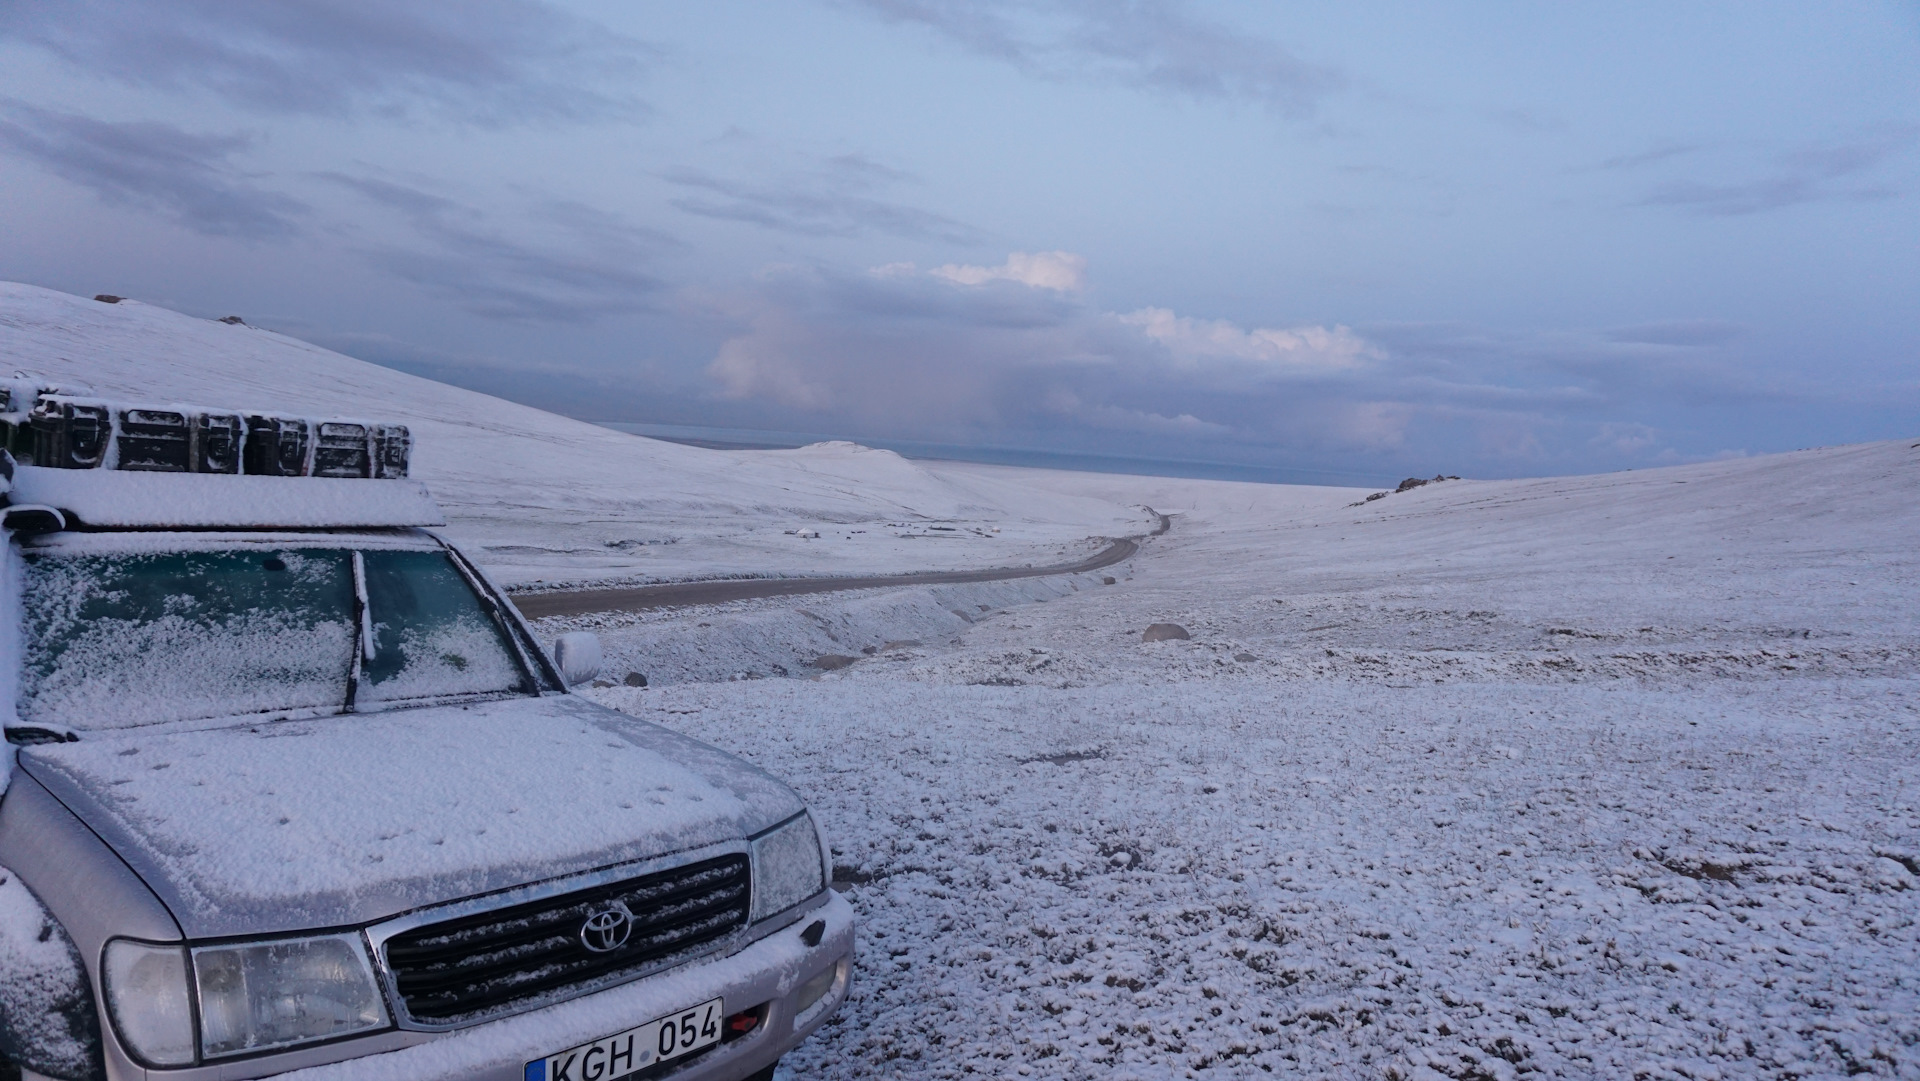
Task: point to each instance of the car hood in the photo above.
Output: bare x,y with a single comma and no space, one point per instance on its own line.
288,825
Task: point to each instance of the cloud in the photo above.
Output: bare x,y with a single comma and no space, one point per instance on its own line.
837,198
489,62
902,352
1659,152
1678,332
572,261
1828,173
1528,121
1061,271
1570,372
1191,340
188,178
1625,438
909,353
1152,45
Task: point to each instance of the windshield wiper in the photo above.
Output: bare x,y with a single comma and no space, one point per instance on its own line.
29,735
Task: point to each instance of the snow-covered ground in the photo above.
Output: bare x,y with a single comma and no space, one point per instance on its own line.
1610,776
547,500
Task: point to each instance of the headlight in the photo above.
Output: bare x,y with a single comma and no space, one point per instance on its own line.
786,866
254,996
257,996
147,995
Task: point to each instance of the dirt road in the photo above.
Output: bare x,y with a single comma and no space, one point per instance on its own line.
683,594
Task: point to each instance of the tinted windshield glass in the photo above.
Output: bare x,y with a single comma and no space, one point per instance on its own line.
119,640
114,641
431,636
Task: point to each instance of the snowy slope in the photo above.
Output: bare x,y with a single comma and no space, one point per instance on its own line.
536,495
1612,776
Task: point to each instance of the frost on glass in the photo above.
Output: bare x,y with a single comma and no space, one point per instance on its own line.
431,637
114,641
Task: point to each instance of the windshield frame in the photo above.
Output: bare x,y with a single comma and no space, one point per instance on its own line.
539,678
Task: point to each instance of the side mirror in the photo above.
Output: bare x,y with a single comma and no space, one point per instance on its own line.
578,656
32,518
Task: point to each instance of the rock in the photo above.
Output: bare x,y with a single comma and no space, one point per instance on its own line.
603,684
832,662
1243,658
1162,632
869,650
1409,484
233,320
1108,580
1374,496
904,643
635,679
107,298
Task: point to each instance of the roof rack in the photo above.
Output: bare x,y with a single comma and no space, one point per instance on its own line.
46,427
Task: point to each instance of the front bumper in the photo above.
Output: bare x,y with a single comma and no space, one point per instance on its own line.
770,970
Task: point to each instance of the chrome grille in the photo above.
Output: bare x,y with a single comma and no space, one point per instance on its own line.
488,962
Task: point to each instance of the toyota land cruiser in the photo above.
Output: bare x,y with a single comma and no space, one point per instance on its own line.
298,793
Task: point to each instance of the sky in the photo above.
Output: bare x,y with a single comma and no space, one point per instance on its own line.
1314,241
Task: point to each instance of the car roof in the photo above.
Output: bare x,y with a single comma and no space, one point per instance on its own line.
127,499
133,541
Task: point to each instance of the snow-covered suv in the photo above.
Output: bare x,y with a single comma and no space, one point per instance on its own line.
297,792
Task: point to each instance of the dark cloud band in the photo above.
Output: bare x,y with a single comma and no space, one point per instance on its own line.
490,62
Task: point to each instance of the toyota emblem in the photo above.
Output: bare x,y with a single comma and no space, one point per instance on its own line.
607,929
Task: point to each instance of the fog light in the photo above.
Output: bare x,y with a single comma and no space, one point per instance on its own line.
816,989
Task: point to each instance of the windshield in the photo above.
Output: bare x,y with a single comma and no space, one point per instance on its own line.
430,634
119,640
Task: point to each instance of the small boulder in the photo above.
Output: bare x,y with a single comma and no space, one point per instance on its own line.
1410,483
107,298
1243,658
1108,580
832,662
233,320
1163,632
635,679
869,650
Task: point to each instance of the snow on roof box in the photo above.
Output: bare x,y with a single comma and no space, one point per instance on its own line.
64,431
125,499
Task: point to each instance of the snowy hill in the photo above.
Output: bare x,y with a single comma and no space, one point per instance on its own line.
1609,776
539,496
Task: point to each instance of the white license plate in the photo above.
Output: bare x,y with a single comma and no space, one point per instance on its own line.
612,1057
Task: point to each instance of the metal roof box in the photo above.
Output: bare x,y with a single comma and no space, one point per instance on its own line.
65,431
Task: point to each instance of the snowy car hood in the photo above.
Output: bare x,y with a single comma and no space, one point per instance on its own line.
287,825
